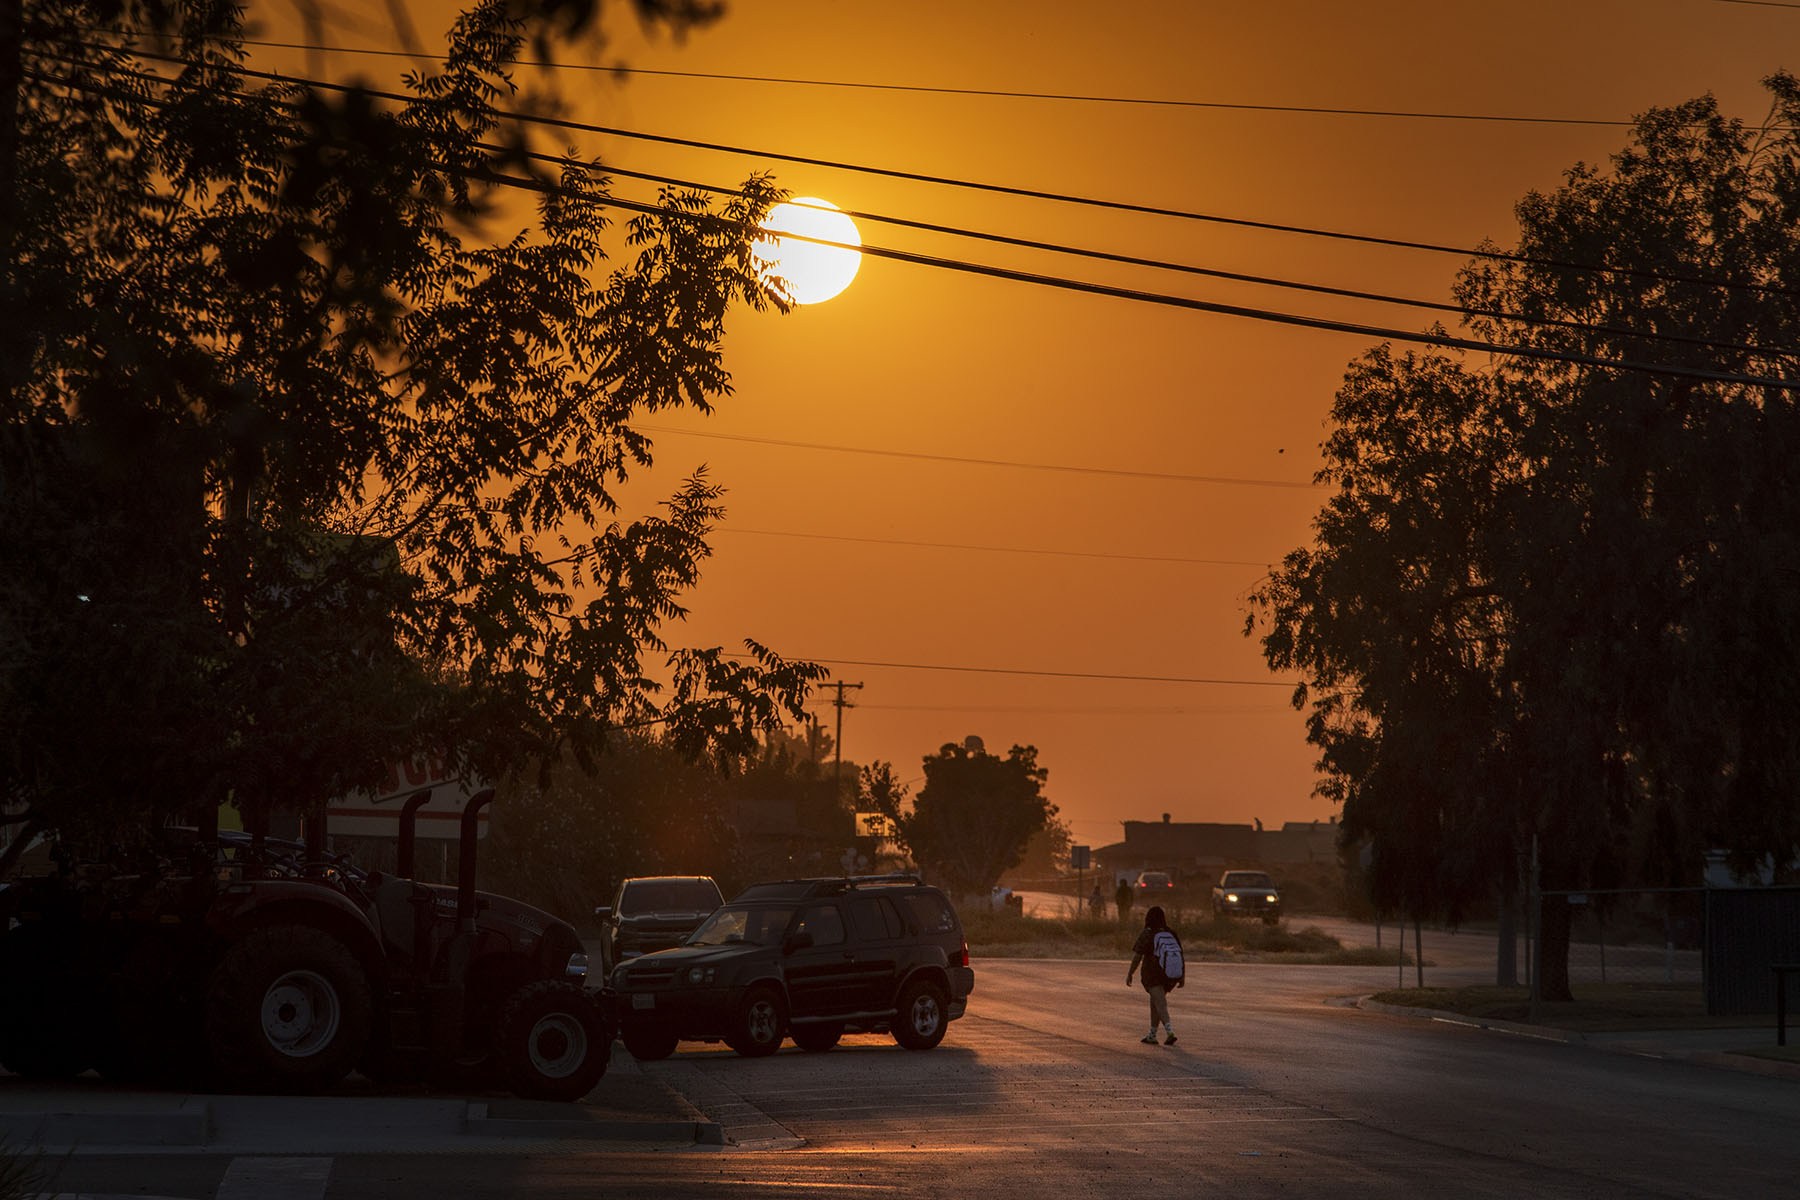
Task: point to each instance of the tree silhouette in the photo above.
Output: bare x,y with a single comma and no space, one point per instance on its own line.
1553,604
307,472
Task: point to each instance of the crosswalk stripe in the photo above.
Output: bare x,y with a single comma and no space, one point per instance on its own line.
268,1178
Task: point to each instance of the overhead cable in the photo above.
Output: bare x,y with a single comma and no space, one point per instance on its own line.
1139,261
1382,333
926,89
1029,193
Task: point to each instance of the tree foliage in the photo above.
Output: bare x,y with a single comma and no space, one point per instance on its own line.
972,819
303,471
1553,603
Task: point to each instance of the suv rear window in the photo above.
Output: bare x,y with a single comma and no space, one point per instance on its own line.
932,912
669,895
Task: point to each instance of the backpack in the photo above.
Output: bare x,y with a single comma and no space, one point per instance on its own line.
1167,949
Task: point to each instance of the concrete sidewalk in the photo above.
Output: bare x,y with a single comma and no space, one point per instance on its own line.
94,1117
1721,1048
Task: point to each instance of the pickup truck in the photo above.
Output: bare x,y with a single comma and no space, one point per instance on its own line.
1243,893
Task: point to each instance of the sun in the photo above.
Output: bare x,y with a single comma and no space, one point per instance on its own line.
807,272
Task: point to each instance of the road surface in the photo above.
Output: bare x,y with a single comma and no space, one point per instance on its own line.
1044,1089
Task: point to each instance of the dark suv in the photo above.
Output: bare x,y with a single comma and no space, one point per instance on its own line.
807,958
653,913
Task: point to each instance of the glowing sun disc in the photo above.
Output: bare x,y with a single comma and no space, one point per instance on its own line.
807,272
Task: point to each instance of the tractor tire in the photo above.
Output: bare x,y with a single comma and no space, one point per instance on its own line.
287,1010
554,1041
924,1014
816,1039
759,1023
649,1043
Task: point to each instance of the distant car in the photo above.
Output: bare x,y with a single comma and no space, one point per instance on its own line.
1150,883
654,912
1247,893
808,958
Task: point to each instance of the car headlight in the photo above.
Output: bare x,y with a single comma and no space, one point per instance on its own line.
619,976
1270,899
1231,897
700,976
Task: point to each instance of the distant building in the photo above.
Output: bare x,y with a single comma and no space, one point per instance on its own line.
1198,849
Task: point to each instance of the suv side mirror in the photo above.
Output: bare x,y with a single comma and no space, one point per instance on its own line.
797,941
603,913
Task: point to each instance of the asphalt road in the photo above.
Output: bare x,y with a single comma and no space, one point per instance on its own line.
1044,1089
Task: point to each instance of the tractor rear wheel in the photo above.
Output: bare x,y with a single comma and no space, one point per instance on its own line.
288,1010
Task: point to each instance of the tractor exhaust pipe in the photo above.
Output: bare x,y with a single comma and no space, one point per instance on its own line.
409,817
465,868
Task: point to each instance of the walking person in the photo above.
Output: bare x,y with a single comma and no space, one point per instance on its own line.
1158,950
1123,897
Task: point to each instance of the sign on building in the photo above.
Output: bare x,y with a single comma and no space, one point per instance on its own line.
377,813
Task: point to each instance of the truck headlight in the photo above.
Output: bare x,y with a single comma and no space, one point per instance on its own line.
1231,897
700,976
1270,899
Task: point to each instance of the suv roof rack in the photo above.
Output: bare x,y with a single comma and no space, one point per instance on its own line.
830,885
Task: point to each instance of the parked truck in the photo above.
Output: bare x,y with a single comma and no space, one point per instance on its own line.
226,960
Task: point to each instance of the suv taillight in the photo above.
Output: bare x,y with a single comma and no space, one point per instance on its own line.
961,957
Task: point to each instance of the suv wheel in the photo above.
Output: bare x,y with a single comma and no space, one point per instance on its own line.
923,1015
816,1038
648,1043
760,1024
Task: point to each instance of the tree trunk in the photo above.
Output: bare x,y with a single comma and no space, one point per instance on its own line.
1553,950
1506,960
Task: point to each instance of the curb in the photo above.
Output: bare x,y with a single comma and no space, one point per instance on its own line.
188,1125
1724,1060
1542,1033
479,1124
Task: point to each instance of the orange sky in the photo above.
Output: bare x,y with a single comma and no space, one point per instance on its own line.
927,362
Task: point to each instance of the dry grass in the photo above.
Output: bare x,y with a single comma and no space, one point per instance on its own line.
1204,939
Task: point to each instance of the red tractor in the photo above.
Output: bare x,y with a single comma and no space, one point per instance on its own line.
255,964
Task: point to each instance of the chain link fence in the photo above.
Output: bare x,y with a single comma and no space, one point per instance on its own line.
1634,936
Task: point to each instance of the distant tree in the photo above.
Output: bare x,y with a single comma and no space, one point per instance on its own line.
1047,853
565,838
303,474
973,817
1552,603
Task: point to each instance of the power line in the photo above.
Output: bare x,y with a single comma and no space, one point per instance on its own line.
902,666
1382,333
1121,472
1028,193
1140,261
1116,711
1153,558
926,89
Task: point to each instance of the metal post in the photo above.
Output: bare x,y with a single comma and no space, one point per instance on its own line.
1419,951
1600,923
1537,932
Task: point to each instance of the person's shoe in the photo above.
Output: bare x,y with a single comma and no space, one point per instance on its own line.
1151,1040
1168,1041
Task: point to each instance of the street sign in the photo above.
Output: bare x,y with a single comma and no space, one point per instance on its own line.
377,813
1078,857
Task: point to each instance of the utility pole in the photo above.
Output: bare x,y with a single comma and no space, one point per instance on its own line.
837,747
